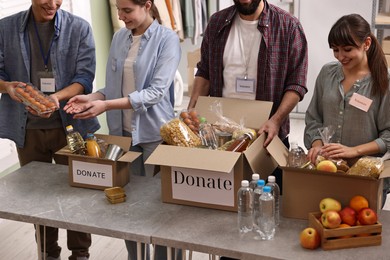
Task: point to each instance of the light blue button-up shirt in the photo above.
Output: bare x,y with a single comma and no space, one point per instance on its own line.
154,71
73,61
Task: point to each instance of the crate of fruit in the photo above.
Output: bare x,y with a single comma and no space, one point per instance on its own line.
34,98
346,237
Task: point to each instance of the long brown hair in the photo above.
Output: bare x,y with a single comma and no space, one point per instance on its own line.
153,10
353,30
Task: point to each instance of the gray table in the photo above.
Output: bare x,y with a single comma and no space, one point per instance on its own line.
39,193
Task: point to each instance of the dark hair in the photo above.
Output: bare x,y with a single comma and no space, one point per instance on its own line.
153,10
353,30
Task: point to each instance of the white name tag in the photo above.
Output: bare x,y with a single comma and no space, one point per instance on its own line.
361,102
245,85
48,85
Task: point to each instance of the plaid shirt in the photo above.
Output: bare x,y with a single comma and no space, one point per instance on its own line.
282,58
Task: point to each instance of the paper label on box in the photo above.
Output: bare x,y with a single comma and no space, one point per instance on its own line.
92,173
203,186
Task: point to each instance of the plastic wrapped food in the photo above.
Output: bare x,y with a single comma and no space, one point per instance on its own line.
35,99
176,132
367,166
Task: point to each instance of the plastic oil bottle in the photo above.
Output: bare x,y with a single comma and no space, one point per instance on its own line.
75,141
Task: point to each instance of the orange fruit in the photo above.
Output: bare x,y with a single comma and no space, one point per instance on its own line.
343,225
358,202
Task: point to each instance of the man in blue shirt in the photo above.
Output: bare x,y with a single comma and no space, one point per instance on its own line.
55,51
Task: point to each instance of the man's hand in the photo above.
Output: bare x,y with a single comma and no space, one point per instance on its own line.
271,128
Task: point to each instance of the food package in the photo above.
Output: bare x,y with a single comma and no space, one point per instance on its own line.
35,99
367,166
223,123
176,132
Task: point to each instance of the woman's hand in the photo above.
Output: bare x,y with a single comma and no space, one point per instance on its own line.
88,109
77,104
339,151
313,153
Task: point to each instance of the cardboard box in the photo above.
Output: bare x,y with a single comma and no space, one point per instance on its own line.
100,173
303,189
211,178
193,57
336,238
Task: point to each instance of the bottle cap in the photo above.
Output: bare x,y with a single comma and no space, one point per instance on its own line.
266,189
90,135
69,127
245,183
249,134
260,183
271,178
255,176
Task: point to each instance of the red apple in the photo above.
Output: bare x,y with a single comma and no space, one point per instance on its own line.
367,216
348,216
310,238
330,219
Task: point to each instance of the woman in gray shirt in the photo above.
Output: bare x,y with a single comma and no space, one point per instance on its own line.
351,95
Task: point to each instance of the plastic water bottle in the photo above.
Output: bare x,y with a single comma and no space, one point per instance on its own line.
253,183
75,141
267,214
245,207
256,204
275,191
296,155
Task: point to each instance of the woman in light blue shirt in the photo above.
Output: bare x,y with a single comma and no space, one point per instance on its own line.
140,71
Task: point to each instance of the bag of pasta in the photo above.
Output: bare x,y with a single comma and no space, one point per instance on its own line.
367,166
176,132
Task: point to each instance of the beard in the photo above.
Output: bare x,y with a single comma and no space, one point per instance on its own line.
247,9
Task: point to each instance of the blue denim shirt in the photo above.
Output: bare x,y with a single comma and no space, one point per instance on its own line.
154,71
72,57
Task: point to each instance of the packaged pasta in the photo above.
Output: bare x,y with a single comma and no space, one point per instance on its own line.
176,132
367,166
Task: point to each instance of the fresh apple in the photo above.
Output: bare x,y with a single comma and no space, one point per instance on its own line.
310,238
327,166
348,216
331,219
367,216
329,204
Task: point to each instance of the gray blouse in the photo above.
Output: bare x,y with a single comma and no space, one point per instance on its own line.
330,107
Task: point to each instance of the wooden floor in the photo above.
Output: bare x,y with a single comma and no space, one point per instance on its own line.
17,243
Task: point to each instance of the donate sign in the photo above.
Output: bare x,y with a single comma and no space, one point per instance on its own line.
203,186
92,173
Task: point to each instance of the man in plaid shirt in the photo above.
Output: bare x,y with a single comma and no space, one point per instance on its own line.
254,50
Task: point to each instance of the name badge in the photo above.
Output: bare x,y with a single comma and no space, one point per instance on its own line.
47,81
245,85
360,102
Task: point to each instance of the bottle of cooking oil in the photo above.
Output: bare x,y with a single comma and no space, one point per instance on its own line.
75,141
93,148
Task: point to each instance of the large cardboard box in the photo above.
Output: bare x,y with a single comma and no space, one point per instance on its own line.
100,173
211,178
193,57
303,189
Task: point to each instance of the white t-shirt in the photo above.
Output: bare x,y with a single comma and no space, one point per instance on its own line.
128,83
240,57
